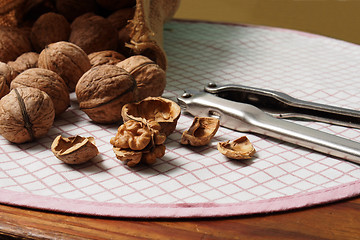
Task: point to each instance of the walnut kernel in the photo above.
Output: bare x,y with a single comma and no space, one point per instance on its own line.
240,148
161,110
200,133
25,114
74,150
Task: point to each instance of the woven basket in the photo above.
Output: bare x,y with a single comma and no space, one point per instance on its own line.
146,27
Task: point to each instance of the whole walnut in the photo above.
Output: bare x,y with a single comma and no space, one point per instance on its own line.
150,78
25,114
74,8
93,33
13,43
66,59
23,62
49,28
103,90
47,81
6,72
120,18
105,57
4,88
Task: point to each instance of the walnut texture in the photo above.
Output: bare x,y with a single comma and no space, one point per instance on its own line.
49,28
74,150
161,110
4,88
201,131
5,72
25,114
23,62
150,77
13,43
47,81
105,57
74,8
102,92
66,59
240,148
93,33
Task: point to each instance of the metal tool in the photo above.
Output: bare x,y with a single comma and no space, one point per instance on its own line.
281,105
245,117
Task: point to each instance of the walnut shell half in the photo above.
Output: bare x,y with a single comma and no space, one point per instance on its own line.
74,150
202,130
25,114
240,148
161,110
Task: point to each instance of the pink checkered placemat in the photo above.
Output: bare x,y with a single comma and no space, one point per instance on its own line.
200,182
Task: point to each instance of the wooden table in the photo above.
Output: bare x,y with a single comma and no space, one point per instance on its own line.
339,220
333,221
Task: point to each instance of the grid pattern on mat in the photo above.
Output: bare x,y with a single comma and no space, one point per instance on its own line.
305,66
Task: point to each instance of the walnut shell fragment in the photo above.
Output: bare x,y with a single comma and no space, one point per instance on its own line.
150,77
47,81
74,150
25,114
66,59
103,91
137,142
161,110
201,131
240,148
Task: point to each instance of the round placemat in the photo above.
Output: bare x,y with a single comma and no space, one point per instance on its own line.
200,181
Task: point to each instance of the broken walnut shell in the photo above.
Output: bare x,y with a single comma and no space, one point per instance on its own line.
240,148
74,150
201,131
164,111
103,91
66,59
47,81
150,77
25,114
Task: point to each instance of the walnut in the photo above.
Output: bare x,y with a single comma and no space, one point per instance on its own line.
161,110
23,62
6,72
102,92
200,133
138,142
74,8
74,150
150,78
25,114
93,33
116,4
49,28
4,88
240,148
105,57
120,18
66,59
13,43
47,81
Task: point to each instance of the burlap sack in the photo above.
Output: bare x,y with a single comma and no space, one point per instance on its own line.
145,29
